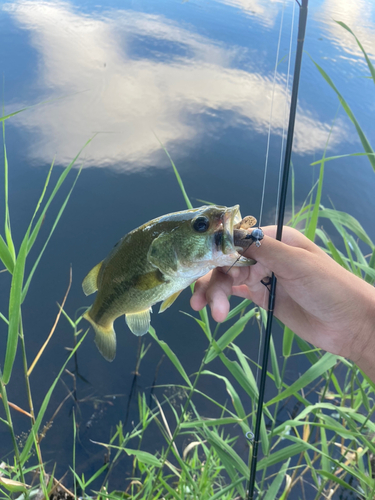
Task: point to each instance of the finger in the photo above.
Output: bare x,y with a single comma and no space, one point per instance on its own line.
198,300
257,293
286,309
291,237
288,259
220,287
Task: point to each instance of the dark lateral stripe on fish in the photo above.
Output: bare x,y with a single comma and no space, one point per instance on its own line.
145,282
118,290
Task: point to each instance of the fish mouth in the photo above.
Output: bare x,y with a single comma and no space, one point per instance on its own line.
230,217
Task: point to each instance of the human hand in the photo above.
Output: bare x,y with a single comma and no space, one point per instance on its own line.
316,298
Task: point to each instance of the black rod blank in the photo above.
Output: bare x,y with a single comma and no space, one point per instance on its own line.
280,221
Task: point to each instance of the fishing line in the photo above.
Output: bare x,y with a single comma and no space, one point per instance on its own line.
268,146
270,118
266,169
280,220
285,111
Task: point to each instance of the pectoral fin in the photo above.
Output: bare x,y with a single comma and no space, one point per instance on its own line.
150,280
105,338
169,301
90,283
163,255
139,322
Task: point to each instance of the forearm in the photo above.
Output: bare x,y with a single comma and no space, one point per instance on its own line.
364,343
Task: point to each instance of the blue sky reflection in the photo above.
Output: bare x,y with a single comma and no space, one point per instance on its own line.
127,74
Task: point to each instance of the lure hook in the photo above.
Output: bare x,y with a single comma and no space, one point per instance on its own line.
256,237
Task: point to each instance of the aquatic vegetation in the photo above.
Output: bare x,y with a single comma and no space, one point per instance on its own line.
323,446
15,264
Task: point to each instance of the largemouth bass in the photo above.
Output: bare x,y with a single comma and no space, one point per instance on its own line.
155,262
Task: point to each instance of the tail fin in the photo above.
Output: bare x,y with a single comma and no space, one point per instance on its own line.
105,338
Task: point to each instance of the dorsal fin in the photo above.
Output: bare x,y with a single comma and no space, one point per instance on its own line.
90,283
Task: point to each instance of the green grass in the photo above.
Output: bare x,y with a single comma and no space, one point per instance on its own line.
324,447
15,263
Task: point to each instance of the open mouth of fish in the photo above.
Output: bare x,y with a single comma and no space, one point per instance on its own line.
224,237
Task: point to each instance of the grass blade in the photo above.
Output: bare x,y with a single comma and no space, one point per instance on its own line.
5,256
287,341
369,63
41,350
61,179
325,363
7,229
224,491
15,309
145,457
365,143
27,284
338,157
220,444
276,483
282,455
275,365
230,335
43,191
171,355
313,222
370,279
43,408
337,480
236,400
346,220
237,310
178,177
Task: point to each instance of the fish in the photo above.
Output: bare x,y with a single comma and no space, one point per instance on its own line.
155,262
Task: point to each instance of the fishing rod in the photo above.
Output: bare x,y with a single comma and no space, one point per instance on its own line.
271,283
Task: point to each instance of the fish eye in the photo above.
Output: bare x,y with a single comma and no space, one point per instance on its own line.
201,224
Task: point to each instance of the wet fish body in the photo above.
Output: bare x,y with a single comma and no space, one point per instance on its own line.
154,263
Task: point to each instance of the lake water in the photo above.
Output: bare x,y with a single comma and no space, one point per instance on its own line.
197,75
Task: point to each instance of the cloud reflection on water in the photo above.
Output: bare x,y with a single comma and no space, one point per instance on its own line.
117,87
358,15
263,12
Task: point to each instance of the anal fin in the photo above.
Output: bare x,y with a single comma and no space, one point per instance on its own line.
169,301
139,322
